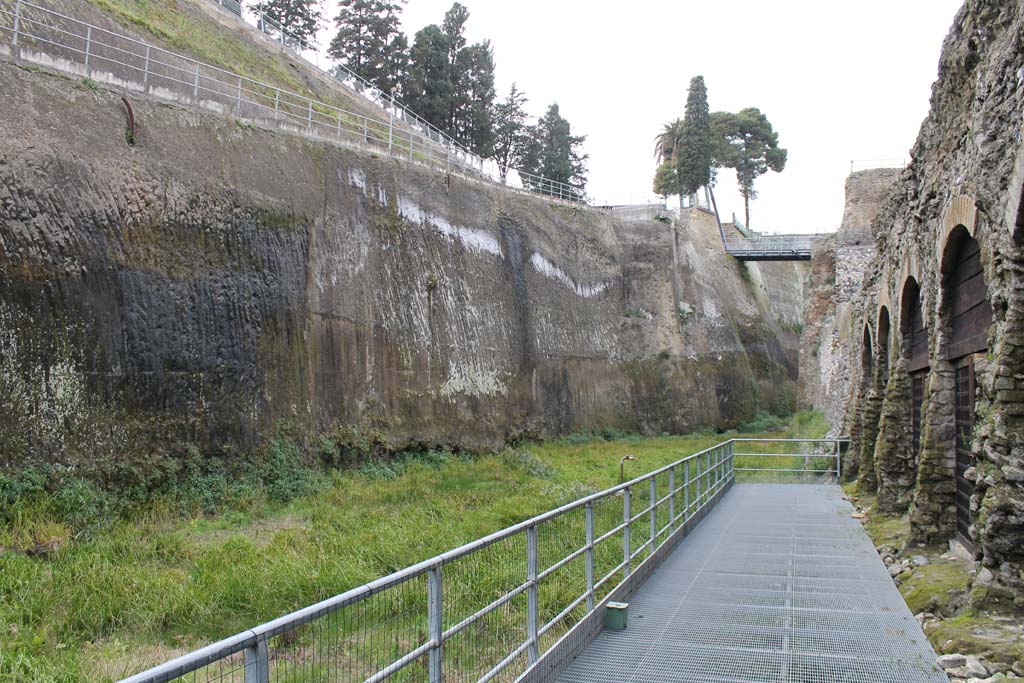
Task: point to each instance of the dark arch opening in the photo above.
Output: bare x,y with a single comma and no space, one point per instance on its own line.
967,315
966,305
915,350
912,327
883,344
867,357
1018,228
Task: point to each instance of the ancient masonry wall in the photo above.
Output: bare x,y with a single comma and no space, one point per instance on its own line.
838,268
215,282
965,179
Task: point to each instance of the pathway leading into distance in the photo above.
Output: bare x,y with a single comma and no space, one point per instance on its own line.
777,584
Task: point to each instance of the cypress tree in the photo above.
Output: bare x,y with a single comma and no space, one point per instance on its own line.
694,152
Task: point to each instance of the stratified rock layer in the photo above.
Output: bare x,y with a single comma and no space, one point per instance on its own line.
213,280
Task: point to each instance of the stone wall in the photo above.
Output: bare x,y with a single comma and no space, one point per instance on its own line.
965,179
213,281
838,266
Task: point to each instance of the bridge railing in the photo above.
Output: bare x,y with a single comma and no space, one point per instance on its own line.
39,34
780,244
489,610
788,460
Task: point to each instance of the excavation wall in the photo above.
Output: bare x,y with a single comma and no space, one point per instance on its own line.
214,281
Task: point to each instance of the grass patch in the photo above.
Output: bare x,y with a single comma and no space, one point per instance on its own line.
151,583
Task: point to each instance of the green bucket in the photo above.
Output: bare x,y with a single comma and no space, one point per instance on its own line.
615,614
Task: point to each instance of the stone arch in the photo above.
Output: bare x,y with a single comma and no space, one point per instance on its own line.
875,371
899,439
913,325
961,212
962,322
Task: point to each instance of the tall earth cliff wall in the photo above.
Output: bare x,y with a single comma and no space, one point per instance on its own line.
214,279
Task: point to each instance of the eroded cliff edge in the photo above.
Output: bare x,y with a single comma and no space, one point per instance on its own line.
214,279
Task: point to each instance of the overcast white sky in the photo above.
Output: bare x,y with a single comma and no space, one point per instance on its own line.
839,82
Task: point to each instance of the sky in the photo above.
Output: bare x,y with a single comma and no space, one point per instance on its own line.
840,82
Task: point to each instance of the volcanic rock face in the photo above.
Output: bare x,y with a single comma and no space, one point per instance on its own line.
961,193
193,290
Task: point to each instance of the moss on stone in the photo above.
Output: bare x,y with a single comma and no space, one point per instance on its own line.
970,632
935,587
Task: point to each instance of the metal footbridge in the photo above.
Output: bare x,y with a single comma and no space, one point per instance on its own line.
778,583
728,583
744,244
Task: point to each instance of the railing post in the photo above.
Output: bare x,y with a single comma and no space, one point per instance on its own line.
839,466
145,68
671,500
435,606
88,46
17,20
238,97
686,491
719,457
277,99
195,86
257,662
654,516
309,117
731,450
590,556
391,123
626,514
532,591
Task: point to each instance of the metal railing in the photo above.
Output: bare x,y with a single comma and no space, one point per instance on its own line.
871,164
342,73
489,610
57,40
818,458
485,611
771,246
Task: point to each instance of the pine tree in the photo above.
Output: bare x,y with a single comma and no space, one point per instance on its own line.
510,136
428,87
450,84
693,153
299,20
473,123
369,41
553,154
747,143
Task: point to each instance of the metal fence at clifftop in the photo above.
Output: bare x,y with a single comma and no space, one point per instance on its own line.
37,34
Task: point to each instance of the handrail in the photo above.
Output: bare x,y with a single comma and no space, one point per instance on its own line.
670,496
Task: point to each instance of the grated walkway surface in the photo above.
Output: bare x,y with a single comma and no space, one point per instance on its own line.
777,584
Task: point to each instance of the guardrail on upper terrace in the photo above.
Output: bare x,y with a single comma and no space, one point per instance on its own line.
489,610
44,36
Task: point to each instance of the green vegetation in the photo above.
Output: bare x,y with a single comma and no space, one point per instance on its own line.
92,590
180,27
747,143
693,151
688,150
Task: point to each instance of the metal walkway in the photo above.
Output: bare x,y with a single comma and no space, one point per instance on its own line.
777,584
